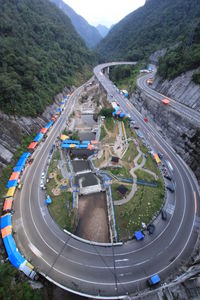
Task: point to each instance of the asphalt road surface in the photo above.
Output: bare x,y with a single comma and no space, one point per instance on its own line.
100,271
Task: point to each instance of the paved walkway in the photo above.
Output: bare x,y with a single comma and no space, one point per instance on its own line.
120,150
134,186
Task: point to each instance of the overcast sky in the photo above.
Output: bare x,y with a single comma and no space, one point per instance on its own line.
105,12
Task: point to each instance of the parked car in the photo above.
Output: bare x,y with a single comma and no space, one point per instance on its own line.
160,155
136,127
43,175
42,183
170,187
31,161
151,228
167,176
164,214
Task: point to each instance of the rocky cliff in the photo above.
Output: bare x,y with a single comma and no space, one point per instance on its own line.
181,89
183,134
12,129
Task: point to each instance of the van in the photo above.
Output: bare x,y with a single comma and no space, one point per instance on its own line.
164,214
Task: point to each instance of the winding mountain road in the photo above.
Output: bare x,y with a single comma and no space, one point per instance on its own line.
106,271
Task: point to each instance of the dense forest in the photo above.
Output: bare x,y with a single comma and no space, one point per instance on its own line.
156,25
40,53
186,56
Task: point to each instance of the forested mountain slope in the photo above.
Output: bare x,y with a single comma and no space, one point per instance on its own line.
183,58
154,26
40,53
89,33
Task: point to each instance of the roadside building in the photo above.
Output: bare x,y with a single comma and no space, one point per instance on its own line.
122,190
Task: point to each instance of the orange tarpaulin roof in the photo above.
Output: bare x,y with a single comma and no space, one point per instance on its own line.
165,101
94,142
32,145
14,176
10,192
6,231
89,147
64,137
44,130
7,204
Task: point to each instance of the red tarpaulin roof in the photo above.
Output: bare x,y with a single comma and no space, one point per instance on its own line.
43,130
7,204
32,145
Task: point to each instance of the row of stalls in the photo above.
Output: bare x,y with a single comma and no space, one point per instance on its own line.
14,256
75,144
117,112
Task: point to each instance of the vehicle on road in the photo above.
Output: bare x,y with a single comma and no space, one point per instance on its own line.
149,81
20,185
43,175
167,176
160,155
169,165
41,183
136,127
153,280
31,161
170,187
151,228
164,214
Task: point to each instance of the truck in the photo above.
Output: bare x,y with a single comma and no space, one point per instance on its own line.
149,81
153,280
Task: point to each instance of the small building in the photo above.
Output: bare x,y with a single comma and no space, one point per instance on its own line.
81,153
122,190
115,159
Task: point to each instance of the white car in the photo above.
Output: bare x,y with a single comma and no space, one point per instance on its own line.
41,183
43,175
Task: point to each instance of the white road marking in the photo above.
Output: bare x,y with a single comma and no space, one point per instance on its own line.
119,260
35,250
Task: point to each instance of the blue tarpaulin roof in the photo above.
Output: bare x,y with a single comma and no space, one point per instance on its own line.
85,142
6,221
71,142
9,243
18,168
11,183
38,137
16,259
23,159
25,155
21,162
48,125
139,235
14,256
65,146
59,110
155,279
